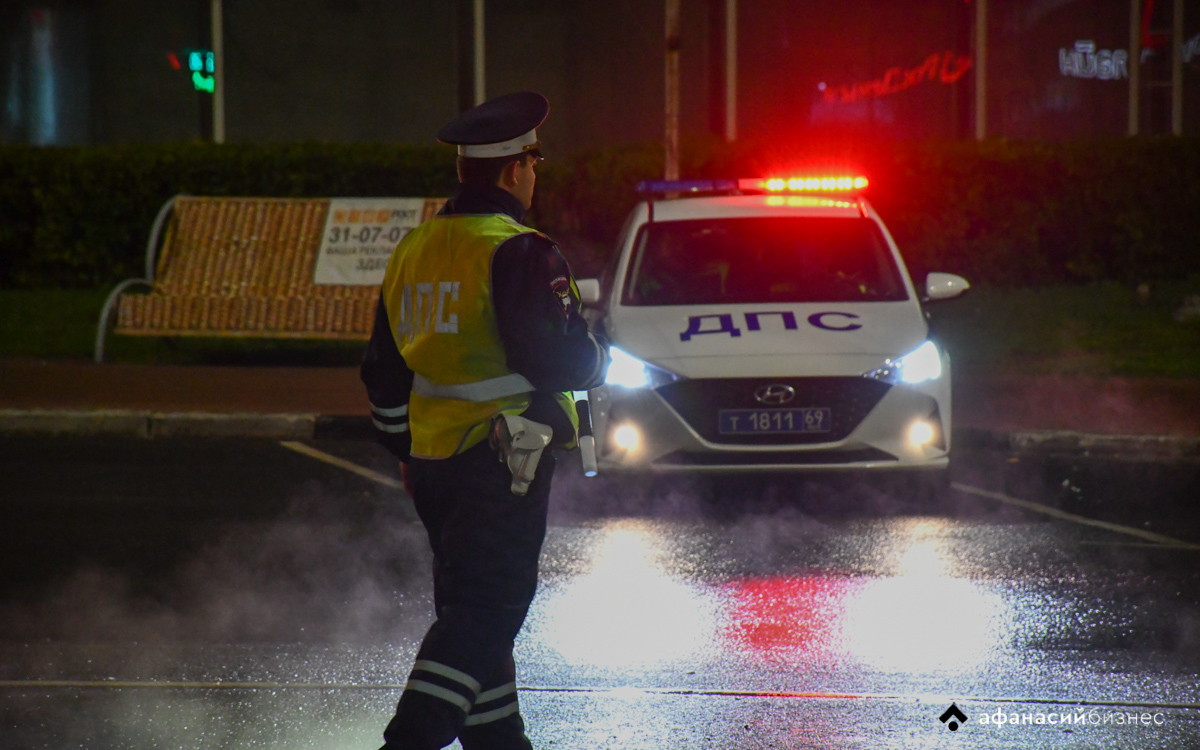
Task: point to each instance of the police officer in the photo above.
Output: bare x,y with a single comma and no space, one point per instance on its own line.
478,341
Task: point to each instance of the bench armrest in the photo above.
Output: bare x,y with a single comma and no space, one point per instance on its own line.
106,313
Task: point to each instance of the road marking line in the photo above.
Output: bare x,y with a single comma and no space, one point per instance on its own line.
932,697
1161,539
167,685
1147,545
1158,540
342,463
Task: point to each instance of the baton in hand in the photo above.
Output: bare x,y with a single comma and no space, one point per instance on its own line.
587,442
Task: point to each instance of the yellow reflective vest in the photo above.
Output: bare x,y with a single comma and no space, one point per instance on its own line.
438,294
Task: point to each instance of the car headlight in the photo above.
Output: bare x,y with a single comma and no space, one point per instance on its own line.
921,364
630,372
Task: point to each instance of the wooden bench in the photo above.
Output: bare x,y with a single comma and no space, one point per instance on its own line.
240,267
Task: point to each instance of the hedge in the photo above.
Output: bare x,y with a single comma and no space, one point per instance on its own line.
998,212
79,217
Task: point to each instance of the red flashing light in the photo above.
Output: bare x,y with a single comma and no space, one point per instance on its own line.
811,184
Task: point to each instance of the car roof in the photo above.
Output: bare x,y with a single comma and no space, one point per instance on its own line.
723,206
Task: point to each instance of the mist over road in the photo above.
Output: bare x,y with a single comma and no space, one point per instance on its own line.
234,593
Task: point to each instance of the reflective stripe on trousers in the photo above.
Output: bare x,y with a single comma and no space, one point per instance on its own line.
493,705
445,682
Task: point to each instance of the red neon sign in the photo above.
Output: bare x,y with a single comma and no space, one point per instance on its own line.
946,67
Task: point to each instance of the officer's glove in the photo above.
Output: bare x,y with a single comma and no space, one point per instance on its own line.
519,442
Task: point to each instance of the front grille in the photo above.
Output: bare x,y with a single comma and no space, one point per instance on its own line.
791,458
848,399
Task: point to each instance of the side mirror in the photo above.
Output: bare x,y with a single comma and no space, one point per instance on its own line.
589,290
944,286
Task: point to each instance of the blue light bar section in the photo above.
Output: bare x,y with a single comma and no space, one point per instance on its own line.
687,186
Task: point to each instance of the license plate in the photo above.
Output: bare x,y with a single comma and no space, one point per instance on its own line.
763,421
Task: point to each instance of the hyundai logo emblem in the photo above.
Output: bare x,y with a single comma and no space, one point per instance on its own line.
774,395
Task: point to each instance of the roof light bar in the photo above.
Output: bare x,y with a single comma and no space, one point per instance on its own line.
808,201
687,186
823,184
838,184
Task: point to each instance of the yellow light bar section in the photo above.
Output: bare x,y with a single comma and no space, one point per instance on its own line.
823,184
807,201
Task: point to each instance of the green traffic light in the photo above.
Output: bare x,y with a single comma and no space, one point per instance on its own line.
203,82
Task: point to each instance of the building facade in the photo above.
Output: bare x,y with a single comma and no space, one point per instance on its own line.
119,71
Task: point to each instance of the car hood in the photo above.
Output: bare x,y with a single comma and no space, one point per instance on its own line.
775,340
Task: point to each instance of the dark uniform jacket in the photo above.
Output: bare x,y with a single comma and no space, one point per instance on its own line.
537,312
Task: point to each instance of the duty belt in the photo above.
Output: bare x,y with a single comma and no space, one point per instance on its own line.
481,390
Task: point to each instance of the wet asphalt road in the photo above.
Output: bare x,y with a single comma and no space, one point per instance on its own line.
237,594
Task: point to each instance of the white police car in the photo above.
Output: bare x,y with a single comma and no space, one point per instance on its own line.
767,324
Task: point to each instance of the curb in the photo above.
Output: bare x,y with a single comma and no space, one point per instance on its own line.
1069,443
156,424
1164,447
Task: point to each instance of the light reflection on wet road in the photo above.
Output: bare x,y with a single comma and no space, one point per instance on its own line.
769,625
925,611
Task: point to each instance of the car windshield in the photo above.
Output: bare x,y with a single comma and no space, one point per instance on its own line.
761,259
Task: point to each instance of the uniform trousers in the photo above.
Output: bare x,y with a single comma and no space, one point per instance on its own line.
486,542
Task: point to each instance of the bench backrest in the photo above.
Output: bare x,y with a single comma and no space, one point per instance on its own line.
244,266
258,247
